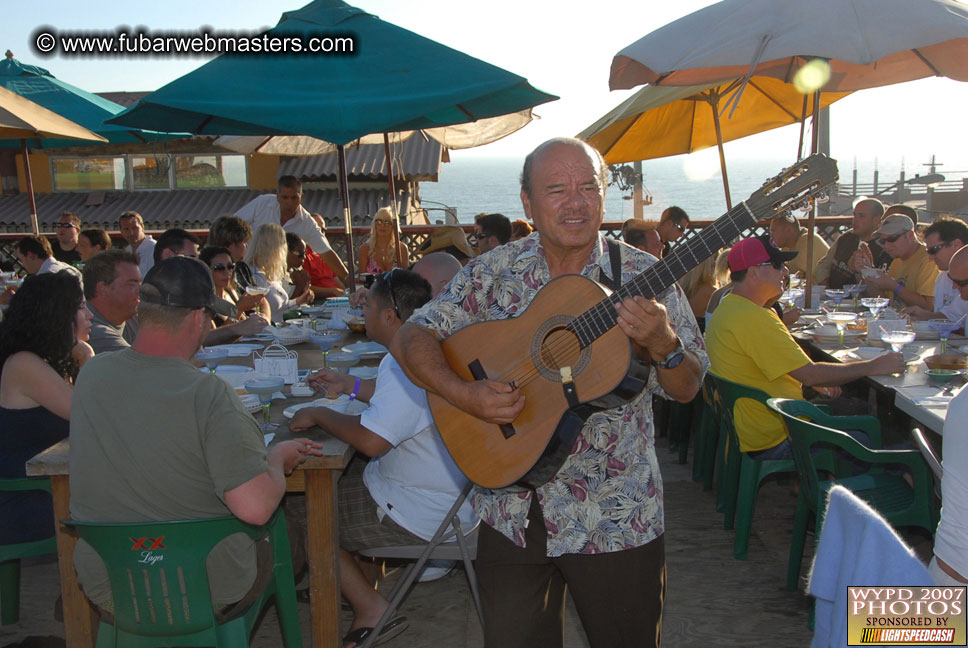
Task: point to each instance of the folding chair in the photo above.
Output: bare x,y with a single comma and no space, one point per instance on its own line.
448,543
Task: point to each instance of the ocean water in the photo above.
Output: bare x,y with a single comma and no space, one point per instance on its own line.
475,185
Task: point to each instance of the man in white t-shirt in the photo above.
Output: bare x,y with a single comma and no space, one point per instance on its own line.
943,238
285,209
409,485
132,227
35,255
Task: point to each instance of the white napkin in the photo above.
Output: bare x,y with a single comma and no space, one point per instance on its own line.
927,396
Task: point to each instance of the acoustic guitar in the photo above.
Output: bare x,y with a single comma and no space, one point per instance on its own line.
570,359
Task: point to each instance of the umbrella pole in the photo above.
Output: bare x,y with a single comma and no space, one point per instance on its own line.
803,128
30,189
722,156
393,202
344,194
812,219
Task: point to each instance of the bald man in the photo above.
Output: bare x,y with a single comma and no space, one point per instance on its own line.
438,268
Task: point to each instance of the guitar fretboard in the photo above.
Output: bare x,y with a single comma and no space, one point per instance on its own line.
600,318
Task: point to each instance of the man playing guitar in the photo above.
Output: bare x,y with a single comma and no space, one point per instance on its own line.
597,524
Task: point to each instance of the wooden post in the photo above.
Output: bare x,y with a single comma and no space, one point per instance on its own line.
344,194
637,202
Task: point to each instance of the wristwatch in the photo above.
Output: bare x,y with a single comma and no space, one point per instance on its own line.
675,357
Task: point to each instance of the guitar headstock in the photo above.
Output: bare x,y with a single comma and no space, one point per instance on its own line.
795,187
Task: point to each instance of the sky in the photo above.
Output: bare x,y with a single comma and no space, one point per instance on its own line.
562,47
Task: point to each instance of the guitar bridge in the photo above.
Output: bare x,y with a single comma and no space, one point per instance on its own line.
477,370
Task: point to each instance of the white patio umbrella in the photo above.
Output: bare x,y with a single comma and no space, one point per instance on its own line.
869,43
22,119
866,43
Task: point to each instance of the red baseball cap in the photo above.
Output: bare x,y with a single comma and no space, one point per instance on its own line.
755,251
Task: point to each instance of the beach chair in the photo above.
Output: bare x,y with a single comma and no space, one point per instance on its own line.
448,543
166,601
818,439
10,554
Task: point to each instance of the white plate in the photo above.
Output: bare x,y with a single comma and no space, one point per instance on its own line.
239,349
234,375
313,310
364,372
910,357
343,405
363,349
830,334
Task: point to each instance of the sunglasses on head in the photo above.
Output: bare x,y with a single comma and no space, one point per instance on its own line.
892,239
388,280
223,266
63,225
961,283
934,249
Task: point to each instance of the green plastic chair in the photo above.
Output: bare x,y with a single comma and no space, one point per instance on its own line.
707,436
167,602
817,437
741,474
10,554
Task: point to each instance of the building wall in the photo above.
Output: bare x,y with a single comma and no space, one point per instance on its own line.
262,171
39,173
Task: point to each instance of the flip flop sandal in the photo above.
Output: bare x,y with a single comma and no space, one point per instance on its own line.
394,626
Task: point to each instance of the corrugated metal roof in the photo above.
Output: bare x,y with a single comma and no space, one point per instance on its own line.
418,157
188,209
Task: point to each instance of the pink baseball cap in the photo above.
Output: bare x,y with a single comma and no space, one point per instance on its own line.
755,251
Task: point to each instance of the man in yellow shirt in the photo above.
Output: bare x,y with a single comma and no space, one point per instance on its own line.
789,236
910,279
748,344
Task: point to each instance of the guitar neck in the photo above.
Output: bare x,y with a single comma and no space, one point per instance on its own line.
600,318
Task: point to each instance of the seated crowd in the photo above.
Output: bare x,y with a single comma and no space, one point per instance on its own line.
153,438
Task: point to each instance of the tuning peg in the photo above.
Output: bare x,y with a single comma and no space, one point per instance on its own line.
822,197
805,206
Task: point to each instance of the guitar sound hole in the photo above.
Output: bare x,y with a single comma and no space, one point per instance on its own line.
560,348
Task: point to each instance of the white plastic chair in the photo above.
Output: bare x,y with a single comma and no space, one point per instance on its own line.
449,543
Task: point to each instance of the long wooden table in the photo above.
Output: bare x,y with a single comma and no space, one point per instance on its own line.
908,388
316,478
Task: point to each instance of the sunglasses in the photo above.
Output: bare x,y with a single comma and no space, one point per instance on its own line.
388,280
961,283
934,249
777,265
892,239
681,228
223,266
63,225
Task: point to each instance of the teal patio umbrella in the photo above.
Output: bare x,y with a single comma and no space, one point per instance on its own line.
79,106
394,80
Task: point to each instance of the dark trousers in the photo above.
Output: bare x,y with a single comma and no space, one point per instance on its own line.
618,595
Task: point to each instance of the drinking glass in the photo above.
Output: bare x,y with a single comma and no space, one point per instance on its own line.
854,291
795,280
841,319
837,296
343,361
897,340
211,358
944,327
264,388
325,341
256,290
875,304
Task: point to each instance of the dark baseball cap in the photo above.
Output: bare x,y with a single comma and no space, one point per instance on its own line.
755,251
182,282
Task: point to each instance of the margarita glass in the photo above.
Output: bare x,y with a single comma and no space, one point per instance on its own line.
264,388
211,358
854,291
795,280
841,319
343,361
897,340
325,341
257,290
944,327
875,304
837,296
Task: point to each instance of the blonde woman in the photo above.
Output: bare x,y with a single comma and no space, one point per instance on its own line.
377,255
266,257
701,282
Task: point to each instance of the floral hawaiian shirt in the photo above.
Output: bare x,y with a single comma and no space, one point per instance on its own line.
608,494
